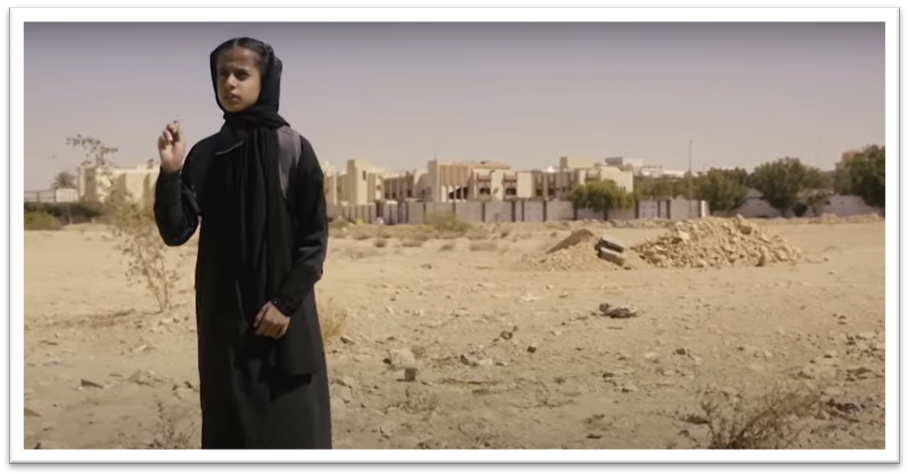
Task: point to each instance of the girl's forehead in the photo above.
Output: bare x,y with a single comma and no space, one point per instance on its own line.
237,56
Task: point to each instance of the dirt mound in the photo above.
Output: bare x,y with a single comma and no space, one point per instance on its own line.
577,258
580,251
716,243
576,238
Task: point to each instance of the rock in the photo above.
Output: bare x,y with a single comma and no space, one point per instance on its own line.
467,359
507,335
50,445
651,356
861,373
550,287
682,351
617,311
347,340
532,348
629,388
387,429
410,374
146,378
845,405
345,382
613,257
610,243
564,294
31,413
400,359
90,384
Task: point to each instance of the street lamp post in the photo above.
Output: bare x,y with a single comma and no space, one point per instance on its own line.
690,176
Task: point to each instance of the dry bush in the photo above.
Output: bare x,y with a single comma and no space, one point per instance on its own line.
447,224
483,246
133,227
422,237
768,422
380,243
478,235
332,320
359,235
167,433
412,243
505,233
448,246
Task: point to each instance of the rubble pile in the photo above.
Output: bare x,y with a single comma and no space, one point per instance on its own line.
584,251
715,243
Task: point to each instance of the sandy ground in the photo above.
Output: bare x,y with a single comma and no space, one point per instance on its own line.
103,370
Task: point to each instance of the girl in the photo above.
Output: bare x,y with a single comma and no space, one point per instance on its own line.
257,187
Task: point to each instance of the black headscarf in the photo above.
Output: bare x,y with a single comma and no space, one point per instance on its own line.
264,238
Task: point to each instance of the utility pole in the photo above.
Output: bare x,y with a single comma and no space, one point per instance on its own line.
690,176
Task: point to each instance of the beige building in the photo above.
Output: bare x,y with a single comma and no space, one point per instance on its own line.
452,181
556,184
405,185
635,164
138,182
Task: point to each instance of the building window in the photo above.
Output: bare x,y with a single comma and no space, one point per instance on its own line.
409,193
364,175
484,191
510,192
538,192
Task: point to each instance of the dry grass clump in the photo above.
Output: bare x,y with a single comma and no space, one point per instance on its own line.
768,422
448,246
412,243
380,243
332,320
483,246
447,224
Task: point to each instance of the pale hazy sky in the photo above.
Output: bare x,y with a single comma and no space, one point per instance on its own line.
397,94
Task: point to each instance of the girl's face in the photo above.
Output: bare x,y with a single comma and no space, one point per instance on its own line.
239,80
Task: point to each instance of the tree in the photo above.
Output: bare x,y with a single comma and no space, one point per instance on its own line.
782,181
64,180
600,196
724,190
648,187
866,175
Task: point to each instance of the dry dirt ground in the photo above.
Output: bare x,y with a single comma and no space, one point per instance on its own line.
508,356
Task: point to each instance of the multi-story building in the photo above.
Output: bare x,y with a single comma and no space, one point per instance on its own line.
556,184
139,182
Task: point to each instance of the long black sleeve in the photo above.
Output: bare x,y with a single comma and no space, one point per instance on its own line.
311,233
176,211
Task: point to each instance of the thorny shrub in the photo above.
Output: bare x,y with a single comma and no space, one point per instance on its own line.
769,422
133,226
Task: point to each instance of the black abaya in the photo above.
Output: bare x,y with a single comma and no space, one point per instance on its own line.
255,190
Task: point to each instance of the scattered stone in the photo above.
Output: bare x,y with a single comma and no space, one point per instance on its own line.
613,257
550,287
861,373
410,374
90,384
347,340
31,413
146,378
50,445
564,294
617,311
532,348
400,359
507,335
651,356
844,405
387,429
467,359
594,436
610,243
629,388
682,351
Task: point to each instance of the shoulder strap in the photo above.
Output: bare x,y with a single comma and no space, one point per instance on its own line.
289,156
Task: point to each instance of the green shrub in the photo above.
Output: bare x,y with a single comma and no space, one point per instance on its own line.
41,221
